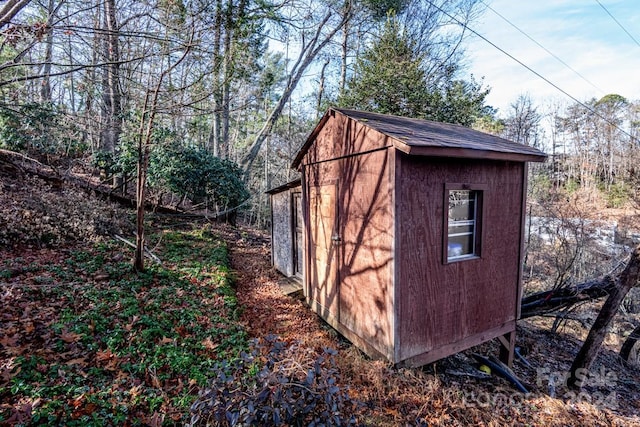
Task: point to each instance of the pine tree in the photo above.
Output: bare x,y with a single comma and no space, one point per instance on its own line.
389,77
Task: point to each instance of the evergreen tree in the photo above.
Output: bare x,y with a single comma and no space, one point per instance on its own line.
461,102
391,78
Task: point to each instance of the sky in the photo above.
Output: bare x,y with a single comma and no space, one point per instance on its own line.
596,56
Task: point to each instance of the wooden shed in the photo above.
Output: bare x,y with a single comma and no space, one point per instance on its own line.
287,229
413,233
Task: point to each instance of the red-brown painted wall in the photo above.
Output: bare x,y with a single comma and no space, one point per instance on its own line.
440,303
374,237
356,296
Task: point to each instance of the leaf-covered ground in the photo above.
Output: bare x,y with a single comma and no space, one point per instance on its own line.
451,391
86,341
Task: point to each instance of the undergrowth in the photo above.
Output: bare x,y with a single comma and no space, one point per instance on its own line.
274,386
86,341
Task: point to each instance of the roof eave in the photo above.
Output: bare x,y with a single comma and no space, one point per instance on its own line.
467,153
291,184
312,136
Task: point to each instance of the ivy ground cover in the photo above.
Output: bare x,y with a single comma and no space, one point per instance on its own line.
84,340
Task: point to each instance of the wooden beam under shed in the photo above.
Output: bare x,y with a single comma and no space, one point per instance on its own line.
507,347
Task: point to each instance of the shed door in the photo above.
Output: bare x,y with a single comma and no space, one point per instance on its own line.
323,272
297,237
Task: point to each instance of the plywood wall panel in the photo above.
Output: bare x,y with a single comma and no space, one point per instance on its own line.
281,234
363,230
366,235
440,303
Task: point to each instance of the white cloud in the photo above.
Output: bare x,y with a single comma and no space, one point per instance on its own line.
580,33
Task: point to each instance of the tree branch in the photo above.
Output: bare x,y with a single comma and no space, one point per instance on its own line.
307,55
10,9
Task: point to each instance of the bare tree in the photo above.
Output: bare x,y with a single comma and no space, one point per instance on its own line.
309,50
111,110
523,123
10,9
150,110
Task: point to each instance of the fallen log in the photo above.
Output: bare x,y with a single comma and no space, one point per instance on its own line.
49,174
554,300
627,351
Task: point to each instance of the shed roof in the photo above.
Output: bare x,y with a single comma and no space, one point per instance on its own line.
429,138
291,184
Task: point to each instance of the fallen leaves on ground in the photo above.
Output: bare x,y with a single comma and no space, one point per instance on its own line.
84,339
441,393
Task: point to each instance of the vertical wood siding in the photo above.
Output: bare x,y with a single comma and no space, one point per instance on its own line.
441,303
281,233
366,251
377,270
360,297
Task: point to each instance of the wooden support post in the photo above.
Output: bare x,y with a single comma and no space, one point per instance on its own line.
507,346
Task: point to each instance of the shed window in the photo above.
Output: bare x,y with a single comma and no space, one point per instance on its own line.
463,224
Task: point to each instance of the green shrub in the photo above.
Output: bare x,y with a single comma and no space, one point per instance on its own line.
187,171
272,387
39,127
196,173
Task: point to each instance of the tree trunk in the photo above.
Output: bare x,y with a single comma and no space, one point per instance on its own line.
629,343
227,70
343,58
587,354
145,135
111,81
45,89
306,57
143,164
321,88
216,134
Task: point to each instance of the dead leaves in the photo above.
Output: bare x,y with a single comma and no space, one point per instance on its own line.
166,340
93,340
70,337
22,413
9,341
107,360
82,361
209,344
154,420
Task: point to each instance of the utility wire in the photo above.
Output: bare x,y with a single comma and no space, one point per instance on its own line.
618,22
542,47
591,110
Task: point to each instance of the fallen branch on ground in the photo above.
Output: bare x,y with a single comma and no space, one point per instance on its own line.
543,303
147,252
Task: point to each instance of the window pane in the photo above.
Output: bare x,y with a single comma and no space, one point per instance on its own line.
456,229
460,245
461,205
461,225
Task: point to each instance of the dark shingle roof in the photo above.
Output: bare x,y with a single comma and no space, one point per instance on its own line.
426,133
429,138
